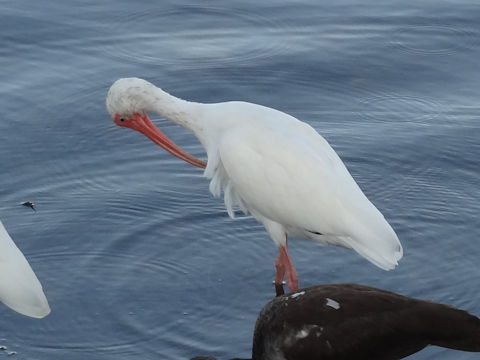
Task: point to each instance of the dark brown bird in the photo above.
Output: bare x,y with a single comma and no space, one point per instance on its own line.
350,321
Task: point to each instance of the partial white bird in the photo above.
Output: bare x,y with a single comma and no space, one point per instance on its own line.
269,164
19,286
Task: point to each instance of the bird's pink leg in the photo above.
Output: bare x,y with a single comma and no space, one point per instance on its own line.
279,265
284,266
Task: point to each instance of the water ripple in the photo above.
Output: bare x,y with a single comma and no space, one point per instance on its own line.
434,39
211,36
119,294
128,289
400,108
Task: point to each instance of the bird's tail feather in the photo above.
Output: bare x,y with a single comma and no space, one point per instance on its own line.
378,259
453,328
385,261
374,239
371,236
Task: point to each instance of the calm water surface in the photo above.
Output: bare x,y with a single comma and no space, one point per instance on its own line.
137,259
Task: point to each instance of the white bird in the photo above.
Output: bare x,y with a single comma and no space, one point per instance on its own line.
269,164
19,287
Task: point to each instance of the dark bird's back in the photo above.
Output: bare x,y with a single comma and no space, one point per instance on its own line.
349,321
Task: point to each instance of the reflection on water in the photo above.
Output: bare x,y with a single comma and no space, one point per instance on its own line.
136,258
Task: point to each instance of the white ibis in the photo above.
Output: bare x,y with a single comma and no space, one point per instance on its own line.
269,164
19,286
351,321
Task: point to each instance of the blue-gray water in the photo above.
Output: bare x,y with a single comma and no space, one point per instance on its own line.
137,259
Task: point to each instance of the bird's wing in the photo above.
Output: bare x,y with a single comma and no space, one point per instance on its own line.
19,286
291,175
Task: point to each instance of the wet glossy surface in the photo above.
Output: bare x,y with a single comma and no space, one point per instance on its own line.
135,256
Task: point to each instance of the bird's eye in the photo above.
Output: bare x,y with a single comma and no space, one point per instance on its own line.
121,119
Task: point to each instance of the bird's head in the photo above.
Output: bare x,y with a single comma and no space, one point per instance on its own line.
128,101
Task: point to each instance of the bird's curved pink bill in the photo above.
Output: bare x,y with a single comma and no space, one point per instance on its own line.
144,125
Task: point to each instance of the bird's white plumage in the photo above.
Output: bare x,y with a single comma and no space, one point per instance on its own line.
287,175
275,167
19,286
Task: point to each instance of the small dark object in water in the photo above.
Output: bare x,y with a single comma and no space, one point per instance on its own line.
29,204
350,321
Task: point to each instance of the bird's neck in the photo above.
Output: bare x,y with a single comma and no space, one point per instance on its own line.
179,111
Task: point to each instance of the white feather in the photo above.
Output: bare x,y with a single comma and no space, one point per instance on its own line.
287,174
